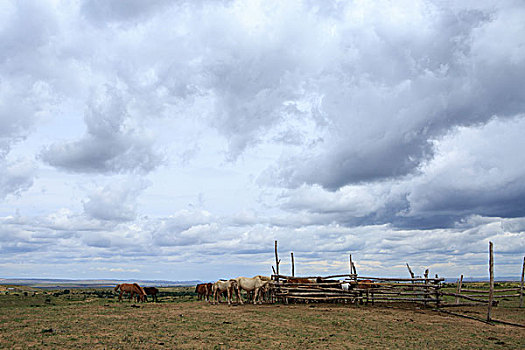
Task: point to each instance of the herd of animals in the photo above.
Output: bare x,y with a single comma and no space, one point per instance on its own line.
134,288
256,288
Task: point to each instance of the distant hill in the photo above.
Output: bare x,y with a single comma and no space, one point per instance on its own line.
67,283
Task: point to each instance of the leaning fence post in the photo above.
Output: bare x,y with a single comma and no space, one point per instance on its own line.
460,282
521,286
491,277
410,271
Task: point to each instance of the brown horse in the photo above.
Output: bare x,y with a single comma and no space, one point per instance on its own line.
203,291
151,291
131,289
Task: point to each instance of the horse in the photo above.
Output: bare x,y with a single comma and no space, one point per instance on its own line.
131,289
220,286
265,292
366,287
300,280
263,278
249,284
151,291
203,291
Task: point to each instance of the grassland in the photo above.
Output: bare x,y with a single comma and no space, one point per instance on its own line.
93,319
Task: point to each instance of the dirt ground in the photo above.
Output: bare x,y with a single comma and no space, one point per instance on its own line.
89,322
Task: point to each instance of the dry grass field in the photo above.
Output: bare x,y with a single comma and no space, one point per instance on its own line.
93,319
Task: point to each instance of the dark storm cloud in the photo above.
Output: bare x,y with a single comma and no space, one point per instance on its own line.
475,171
397,89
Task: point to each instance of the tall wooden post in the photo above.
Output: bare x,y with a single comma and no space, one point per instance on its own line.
427,295
352,267
491,277
458,291
277,261
521,287
293,266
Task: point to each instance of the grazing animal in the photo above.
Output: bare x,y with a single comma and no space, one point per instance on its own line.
249,284
203,291
224,286
263,278
151,291
365,287
326,283
131,289
366,284
300,280
266,290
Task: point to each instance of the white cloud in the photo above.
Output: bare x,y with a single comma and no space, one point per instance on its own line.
116,201
476,170
197,132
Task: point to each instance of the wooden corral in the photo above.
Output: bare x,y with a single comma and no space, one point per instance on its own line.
354,288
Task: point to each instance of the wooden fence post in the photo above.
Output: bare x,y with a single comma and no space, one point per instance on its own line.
491,277
460,282
521,286
277,261
293,266
426,286
410,271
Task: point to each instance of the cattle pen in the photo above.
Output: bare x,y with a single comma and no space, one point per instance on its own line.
357,289
426,291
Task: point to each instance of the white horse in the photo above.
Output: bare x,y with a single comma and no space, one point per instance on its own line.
263,278
250,284
221,286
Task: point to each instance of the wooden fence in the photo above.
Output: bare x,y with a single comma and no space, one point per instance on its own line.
354,288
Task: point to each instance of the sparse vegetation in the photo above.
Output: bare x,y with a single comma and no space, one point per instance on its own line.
92,318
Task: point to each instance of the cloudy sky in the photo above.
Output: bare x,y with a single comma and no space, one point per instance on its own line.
178,139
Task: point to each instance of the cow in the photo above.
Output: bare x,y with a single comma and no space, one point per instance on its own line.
204,291
221,286
250,284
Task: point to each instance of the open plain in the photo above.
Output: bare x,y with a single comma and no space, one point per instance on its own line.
93,319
